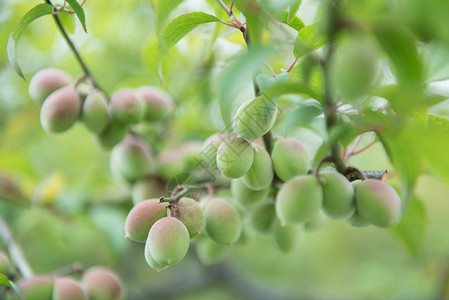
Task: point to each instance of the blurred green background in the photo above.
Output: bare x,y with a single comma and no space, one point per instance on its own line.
74,209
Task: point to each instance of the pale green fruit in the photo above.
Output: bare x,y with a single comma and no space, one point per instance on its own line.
94,113
168,241
299,200
60,110
223,223
102,283
66,288
338,195
263,217
45,82
156,103
208,154
288,237
112,134
246,196
234,157
124,107
34,288
131,158
142,217
356,220
290,158
151,261
260,174
255,117
170,163
378,203
190,213
210,252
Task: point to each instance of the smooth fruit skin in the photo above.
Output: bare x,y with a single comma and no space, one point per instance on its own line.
255,117
131,158
190,213
94,113
234,157
60,110
263,217
151,261
290,158
246,196
4,264
208,154
45,82
260,174
146,188
156,103
356,220
66,288
378,203
288,237
210,252
168,241
299,200
141,217
34,288
102,283
124,107
338,195
112,134
223,223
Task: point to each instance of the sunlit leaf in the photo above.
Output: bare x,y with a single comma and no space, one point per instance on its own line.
294,22
293,10
67,21
309,39
79,11
437,64
163,11
34,13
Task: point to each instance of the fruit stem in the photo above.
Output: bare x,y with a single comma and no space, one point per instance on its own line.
15,251
74,50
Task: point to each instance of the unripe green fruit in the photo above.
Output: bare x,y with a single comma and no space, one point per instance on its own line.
190,213
210,147
102,283
150,187
170,163
299,200
190,153
34,288
290,158
378,203
152,262
60,110
234,157
210,252
112,134
141,217
288,237
255,117
4,264
223,223
260,174
156,103
246,196
124,107
356,220
317,222
66,288
45,82
168,241
94,113
131,158
263,217
338,195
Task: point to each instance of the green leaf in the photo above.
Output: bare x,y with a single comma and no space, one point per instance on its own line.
294,22
67,21
4,280
293,10
413,227
309,39
176,30
34,13
163,11
79,11
435,59
234,77
399,45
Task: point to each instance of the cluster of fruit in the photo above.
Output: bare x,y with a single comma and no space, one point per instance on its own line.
97,283
63,103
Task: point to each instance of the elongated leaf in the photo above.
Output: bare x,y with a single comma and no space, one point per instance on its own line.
435,58
163,11
238,73
34,13
4,280
294,22
309,39
176,30
293,10
79,11
413,227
